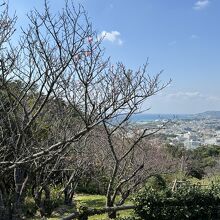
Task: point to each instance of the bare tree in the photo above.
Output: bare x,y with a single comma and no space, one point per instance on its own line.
126,158
132,159
54,77
75,166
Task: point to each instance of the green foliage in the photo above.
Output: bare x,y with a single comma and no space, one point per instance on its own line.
202,158
197,159
94,201
91,185
209,151
188,202
156,182
98,201
127,218
29,208
56,200
195,171
89,188
175,151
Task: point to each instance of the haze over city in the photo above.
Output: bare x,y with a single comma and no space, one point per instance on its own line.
179,37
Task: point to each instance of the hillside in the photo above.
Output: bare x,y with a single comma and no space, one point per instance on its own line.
209,114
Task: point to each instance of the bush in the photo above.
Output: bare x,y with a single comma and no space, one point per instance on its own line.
127,218
56,200
188,202
29,208
156,182
93,186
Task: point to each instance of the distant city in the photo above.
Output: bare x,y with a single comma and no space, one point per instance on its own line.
190,130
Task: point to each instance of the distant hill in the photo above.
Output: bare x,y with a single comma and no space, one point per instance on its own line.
209,114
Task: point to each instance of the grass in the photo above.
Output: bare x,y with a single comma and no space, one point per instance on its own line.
91,201
98,201
207,181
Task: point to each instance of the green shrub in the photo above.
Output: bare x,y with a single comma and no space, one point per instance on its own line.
156,182
188,202
57,198
127,218
90,186
29,208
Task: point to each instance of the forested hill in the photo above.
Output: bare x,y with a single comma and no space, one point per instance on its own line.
209,114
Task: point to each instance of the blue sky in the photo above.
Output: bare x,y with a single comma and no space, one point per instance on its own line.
181,37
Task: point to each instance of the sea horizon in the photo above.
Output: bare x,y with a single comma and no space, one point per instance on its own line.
146,117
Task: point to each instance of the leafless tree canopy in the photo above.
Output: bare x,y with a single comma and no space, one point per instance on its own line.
56,86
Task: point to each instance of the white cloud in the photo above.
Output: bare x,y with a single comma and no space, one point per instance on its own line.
184,95
213,98
191,95
113,36
183,101
201,4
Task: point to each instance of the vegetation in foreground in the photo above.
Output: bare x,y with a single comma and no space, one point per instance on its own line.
186,202
192,200
81,200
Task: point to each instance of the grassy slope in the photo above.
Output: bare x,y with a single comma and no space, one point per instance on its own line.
98,201
92,201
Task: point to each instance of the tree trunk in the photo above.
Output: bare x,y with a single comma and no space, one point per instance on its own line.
112,214
44,205
20,179
5,204
10,202
5,213
68,196
37,199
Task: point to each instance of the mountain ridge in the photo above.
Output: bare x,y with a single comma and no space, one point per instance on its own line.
209,114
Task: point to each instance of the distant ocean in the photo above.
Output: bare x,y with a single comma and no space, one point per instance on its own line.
153,117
